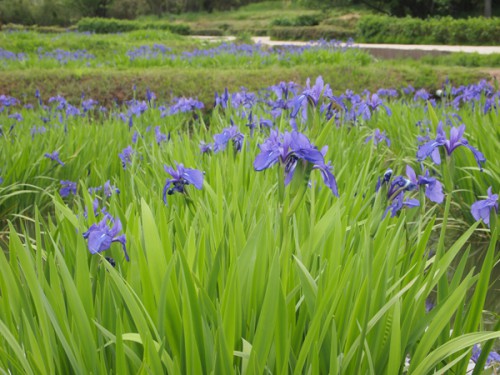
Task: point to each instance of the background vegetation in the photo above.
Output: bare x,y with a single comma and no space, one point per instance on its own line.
306,20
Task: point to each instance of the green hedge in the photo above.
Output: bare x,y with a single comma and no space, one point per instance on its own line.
112,25
310,33
446,30
304,20
36,28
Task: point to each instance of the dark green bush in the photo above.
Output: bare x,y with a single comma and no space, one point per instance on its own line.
207,32
310,33
304,20
445,30
36,28
111,25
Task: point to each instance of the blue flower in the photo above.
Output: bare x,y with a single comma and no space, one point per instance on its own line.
311,95
378,137
433,188
395,192
87,105
482,208
126,156
68,187
456,140
222,99
493,357
17,116
398,203
230,133
181,178
205,148
290,148
183,105
54,156
100,236
372,103
160,137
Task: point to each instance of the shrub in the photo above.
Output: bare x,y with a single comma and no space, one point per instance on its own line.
445,30
111,25
310,33
304,20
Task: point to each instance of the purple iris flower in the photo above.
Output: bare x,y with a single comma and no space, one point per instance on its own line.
431,148
54,156
311,94
68,187
180,178
95,208
183,105
1,180
482,208
378,137
107,188
433,188
110,189
395,192
288,149
398,203
493,357
87,105
205,147
230,133
135,136
366,107
126,156
100,236
160,137
16,116
150,95
222,99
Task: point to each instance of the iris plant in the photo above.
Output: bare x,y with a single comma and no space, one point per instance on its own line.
395,192
456,140
482,208
54,156
68,187
181,177
493,357
311,95
433,188
378,137
290,149
126,156
100,236
160,137
230,133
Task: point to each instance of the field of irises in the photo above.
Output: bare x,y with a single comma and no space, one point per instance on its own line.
288,230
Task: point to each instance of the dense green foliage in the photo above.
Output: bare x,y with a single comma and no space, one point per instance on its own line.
242,274
245,275
111,25
445,30
310,33
113,63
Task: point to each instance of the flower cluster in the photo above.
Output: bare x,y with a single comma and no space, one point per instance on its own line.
396,188
290,149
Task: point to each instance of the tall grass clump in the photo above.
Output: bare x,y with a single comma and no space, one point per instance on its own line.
266,235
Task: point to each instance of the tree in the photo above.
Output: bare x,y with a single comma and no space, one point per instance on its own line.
487,8
92,8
